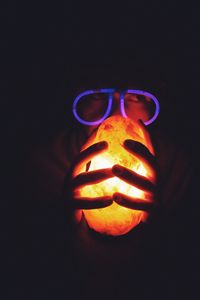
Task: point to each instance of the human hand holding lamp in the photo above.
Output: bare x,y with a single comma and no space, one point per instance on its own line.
114,177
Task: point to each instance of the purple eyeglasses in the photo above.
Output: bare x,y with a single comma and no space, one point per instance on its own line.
110,100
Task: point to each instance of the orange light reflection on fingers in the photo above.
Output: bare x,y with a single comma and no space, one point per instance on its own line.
116,220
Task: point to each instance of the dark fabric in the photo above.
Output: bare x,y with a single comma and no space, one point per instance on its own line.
154,261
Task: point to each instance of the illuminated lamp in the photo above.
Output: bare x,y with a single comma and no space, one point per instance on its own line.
115,219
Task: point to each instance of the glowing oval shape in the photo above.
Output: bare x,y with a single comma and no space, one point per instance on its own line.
115,219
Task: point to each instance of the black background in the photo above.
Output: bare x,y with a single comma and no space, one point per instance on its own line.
50,49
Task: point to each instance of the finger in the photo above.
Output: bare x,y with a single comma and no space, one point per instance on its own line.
141,152
132,178
134,203
145,216
92,203
78,215
86,155
92,177
146,136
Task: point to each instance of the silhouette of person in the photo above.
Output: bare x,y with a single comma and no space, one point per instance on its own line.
84,253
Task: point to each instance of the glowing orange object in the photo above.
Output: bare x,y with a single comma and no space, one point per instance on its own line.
115,219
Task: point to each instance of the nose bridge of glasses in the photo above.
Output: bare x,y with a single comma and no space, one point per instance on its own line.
116,103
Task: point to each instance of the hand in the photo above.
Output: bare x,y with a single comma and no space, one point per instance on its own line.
79,180
146,184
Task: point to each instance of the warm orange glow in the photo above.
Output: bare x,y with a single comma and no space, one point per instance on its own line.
115,219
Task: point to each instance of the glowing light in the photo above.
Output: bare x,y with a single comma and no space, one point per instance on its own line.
109,91
107,113
157,110
115,219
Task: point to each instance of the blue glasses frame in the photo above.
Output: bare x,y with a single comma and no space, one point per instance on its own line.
110,99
